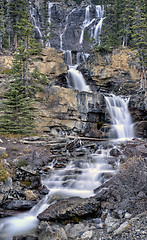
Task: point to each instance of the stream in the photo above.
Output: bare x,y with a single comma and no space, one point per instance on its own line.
80,177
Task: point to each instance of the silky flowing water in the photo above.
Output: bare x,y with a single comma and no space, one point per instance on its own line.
83,174
79,178
122,126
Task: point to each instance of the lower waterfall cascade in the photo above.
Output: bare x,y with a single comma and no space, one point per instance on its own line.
122,126
79,178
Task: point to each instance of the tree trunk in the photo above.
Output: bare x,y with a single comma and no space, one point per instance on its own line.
15,39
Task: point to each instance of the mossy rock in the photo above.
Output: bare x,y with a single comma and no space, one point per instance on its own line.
99,125
3,174
22,163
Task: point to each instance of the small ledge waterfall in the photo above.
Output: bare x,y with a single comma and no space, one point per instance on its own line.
122,127
75,78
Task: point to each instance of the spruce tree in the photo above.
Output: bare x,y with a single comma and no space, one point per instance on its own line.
110,29
17,106
1,22
139,36
17,10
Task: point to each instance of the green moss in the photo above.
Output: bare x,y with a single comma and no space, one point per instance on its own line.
3,174
99,125
22,163
26,183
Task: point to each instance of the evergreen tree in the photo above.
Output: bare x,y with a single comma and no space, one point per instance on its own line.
127,11
17,10
110,29
18,108
1,22
140,37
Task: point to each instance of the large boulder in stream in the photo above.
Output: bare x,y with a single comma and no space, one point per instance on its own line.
71,208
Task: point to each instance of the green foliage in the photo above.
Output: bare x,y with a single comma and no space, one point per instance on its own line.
22,163
3,174
18,108
125,25
102,48
3,171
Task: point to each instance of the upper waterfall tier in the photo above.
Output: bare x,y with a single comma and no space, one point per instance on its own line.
73,27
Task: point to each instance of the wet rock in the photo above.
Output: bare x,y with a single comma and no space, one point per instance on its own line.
141,129
30,195
7,213
43,190
19,205
114,152
76,143
70,208
142,149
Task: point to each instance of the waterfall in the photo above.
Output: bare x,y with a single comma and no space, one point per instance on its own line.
79,178
50,4
35,21
86,23
68,57
98,27
76,79
122,127
64,29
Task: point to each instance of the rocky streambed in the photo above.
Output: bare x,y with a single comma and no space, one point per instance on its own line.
116,210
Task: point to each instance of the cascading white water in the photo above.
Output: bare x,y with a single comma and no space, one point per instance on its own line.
33,15
122,127
50,5
76,79
79,178
86,23
64,30
68,58
98,27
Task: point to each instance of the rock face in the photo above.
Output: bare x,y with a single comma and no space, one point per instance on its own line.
115,71
50,62
66,111
67,20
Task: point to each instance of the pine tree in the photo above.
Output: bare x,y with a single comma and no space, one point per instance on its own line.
17,10
1,22
126,22
139,36
17,106
18,109
110,29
